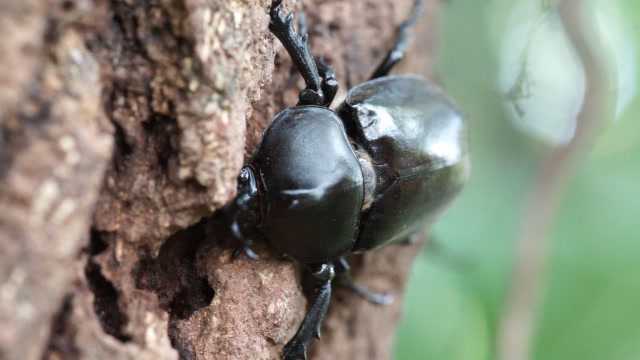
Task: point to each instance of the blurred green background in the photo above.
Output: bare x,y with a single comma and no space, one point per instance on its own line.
591,295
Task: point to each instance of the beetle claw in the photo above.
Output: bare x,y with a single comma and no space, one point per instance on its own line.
372,297
246,250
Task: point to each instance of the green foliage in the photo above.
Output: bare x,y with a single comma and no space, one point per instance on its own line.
591,295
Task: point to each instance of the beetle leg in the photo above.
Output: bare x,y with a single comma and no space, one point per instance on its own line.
297,45
246,250
242,212
244,247
329,82
343,279
303,28
401,42
321,277
410,240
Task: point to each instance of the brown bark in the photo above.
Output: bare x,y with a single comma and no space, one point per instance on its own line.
124,123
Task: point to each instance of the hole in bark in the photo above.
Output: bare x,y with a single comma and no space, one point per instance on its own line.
334,27
97,244
105,302
122,148
61,343
162,129
67,5
173,274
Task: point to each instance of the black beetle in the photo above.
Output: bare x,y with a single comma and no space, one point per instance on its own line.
324,184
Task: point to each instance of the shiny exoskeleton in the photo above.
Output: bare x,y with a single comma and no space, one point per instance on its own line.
326,183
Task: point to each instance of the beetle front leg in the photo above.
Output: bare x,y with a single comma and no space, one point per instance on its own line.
245,243
321,278
242,212
297,45
329,81
343,279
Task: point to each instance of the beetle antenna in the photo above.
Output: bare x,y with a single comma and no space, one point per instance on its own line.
297,45
401,43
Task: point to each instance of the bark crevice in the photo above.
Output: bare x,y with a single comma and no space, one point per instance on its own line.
105,303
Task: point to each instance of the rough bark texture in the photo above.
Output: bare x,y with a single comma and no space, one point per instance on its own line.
124,123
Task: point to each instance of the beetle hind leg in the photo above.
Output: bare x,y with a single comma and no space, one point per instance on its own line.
411,239
401,43
343,279
320,284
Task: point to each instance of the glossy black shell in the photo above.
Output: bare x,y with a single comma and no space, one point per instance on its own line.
312,185
416,139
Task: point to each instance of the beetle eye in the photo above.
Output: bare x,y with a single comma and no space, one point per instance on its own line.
244,175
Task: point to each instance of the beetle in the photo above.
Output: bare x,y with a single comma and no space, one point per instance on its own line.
324,183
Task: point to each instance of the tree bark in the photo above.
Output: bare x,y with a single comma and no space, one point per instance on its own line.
123,126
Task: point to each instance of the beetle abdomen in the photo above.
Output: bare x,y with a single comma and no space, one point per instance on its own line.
313,185
416,139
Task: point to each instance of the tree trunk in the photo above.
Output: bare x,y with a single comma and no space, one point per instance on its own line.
123,124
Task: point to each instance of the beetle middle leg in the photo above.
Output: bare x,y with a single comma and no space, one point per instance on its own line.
343,279
320,283
401,43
